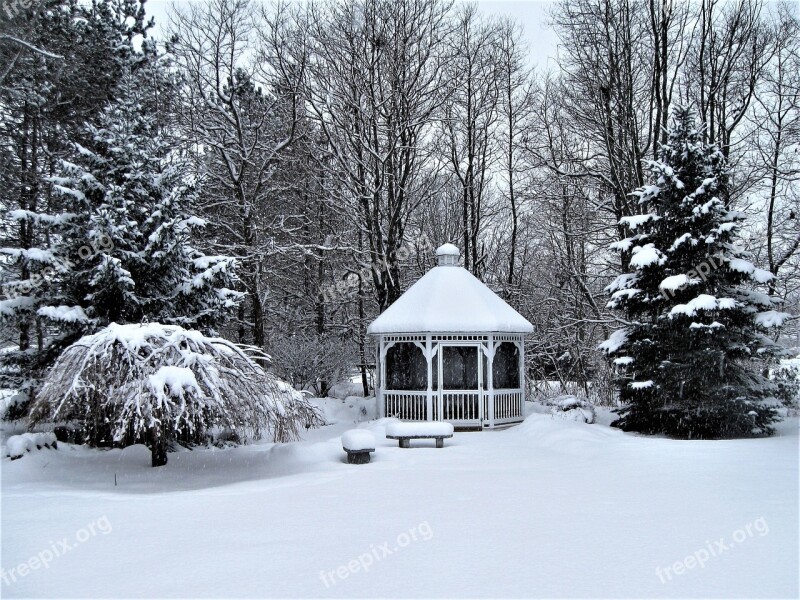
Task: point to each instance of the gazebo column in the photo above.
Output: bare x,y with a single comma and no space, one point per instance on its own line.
427,352
489,351
379,376
429,394
384,348
521,346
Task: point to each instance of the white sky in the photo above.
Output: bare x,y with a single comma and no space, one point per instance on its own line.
532,14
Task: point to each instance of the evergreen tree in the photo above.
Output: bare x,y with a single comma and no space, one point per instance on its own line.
61,62
119,249
691,356
128,243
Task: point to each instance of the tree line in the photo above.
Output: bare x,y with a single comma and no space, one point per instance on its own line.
329,145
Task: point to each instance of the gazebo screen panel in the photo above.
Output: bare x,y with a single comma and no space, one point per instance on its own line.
505,369
406,367
460,367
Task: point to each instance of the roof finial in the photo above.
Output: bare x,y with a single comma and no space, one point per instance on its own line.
447,255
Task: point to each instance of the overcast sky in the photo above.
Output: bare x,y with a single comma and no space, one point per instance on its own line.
532,14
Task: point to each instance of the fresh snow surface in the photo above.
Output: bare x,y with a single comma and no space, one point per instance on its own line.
547,509
679,241
714,325
401,428
702,302
622,282
449,299
173,380
622,245
572,408
637,221
640,385
448,250
8,306
756,274
28,215
18,445
771,318
614,342
675,282
358,439
567,402
644,256
68,314
36,254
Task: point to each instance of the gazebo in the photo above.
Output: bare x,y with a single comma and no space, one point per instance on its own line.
450,349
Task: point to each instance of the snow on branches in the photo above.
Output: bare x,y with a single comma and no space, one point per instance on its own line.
156,383
688,357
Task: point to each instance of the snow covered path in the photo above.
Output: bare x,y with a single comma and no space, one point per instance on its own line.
546,509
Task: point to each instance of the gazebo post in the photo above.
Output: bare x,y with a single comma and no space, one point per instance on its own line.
379,374
522,376
490,349
429,360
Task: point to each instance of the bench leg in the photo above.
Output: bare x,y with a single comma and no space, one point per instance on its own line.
358,458
404,443
440,442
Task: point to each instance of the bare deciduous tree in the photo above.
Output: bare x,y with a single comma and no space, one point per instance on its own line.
242,69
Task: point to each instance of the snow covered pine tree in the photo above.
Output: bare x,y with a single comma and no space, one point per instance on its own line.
118,250
128,244
46,99
691,356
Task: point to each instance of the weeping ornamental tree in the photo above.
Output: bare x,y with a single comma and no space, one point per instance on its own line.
155,384
691,357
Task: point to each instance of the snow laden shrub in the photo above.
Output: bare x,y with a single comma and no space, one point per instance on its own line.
156,384
572,408
18,445
786,376
691,361
312,362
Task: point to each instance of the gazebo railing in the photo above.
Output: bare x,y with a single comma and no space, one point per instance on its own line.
508,406
458,406
407,406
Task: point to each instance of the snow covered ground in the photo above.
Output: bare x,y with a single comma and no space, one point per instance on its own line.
550,508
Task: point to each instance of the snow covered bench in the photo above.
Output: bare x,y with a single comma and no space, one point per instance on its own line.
358,443
18,445
405,432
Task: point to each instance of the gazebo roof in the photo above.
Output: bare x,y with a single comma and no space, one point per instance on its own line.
449,299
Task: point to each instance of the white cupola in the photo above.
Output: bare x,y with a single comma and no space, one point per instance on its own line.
447,255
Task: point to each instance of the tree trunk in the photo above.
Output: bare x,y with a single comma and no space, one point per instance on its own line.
158,450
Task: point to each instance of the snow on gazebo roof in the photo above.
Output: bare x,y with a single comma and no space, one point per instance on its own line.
449,299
